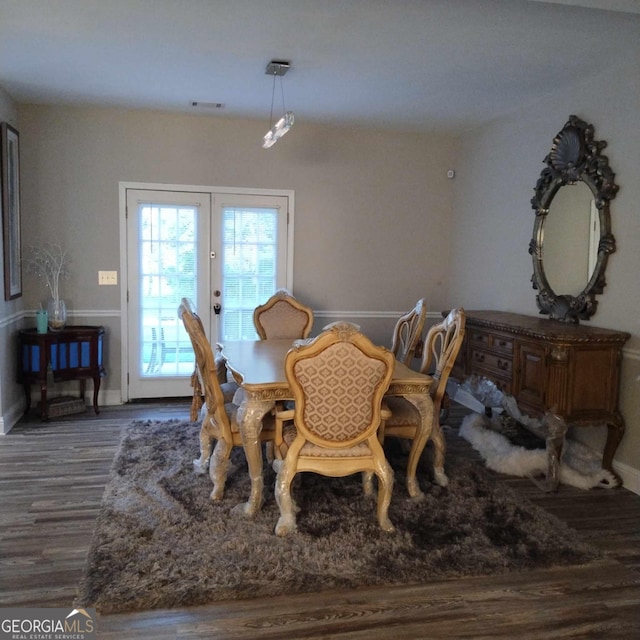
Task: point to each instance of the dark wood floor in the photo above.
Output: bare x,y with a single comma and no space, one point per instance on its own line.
51,481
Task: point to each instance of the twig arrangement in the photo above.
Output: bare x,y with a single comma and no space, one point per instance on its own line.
50,263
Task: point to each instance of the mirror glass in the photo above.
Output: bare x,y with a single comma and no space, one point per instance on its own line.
567,242
572,236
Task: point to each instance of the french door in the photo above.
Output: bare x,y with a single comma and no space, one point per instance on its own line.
227,252
252,241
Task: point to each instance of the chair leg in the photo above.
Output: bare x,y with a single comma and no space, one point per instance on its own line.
439,451
279,451
287,520
270,452
385,489
206,447
445,406
218,468
367,476
367,483
424,405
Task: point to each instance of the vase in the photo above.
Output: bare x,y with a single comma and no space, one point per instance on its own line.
57,311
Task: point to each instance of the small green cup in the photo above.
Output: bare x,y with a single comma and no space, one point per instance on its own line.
42,320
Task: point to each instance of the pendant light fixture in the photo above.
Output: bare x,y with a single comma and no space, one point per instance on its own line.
277,68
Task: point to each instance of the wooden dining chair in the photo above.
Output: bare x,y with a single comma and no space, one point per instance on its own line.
228,387
220,421
401,418
408,332
282,316
338,380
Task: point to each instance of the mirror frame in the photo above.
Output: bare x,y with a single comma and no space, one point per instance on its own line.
574,157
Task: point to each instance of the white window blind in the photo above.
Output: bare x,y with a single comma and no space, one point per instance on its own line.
250,254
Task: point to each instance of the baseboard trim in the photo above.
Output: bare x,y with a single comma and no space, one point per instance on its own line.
110,397
630,476
106,398
9,419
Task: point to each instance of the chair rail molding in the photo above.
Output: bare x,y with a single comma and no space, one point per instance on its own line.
435,315
12,318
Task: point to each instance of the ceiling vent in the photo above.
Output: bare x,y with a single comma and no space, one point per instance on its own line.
208,105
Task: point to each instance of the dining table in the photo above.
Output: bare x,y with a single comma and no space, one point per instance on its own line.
258,368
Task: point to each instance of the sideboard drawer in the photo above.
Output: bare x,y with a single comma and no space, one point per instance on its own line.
490,341
491,360
502,343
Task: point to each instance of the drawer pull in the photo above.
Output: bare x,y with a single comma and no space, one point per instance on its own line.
503,343
503,365
479,357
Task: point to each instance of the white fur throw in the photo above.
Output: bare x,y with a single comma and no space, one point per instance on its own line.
580,467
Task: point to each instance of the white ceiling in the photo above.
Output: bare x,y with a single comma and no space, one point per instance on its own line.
428,65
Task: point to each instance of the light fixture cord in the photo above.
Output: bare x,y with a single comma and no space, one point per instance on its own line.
273,93
284,110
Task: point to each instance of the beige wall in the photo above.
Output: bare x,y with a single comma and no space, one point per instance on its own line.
493,221
372,209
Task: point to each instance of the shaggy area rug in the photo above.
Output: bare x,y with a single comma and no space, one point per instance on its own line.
159,541
579,466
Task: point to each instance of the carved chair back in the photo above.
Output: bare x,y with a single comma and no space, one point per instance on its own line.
408,331
206,366
441,347
338,380
283,316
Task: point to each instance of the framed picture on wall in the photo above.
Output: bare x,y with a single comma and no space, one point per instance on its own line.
10,181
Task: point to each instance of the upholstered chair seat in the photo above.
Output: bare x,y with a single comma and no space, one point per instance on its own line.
310,449
228,391
228,388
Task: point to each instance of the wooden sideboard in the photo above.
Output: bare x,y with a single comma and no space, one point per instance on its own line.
74,353
571,369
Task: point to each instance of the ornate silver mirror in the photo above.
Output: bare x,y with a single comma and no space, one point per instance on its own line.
572,236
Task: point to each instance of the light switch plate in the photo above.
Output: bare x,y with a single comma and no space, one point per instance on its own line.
107,277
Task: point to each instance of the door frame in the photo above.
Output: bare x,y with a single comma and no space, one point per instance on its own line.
122,196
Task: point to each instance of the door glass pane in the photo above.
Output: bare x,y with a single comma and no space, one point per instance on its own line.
168,249
249,242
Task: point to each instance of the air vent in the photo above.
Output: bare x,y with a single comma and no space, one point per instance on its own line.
208,105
